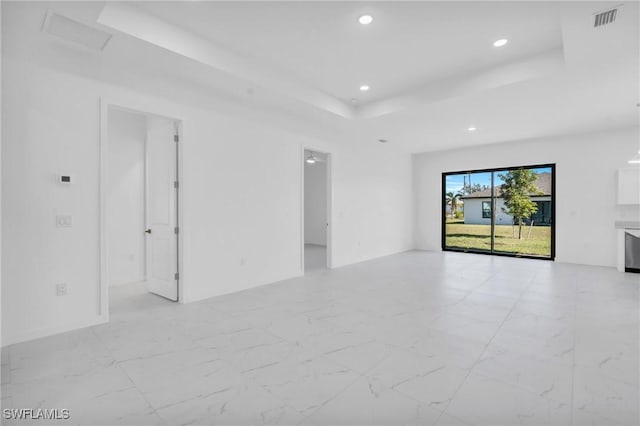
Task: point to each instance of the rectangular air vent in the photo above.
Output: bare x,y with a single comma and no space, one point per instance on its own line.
77,32
605,18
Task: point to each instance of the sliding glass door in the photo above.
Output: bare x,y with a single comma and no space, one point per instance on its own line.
468,228
507,211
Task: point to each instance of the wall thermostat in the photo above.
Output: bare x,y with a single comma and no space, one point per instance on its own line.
65,179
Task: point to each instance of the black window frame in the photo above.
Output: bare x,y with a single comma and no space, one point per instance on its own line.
486,213
492,252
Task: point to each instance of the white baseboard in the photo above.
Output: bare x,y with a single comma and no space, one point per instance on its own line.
12,339
375,257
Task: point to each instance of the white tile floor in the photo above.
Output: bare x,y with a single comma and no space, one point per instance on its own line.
417,338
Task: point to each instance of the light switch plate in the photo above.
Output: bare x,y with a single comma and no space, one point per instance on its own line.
64,221
62,289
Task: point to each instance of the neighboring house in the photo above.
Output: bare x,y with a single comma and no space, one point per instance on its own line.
477,205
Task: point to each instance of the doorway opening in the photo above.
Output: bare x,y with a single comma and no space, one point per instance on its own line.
316,215
139,209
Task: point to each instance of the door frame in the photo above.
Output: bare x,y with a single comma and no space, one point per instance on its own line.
329,213
103,270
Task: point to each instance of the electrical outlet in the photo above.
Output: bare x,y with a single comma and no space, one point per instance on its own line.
64,221
243,261
62,289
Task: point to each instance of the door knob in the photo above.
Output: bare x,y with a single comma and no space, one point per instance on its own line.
148,231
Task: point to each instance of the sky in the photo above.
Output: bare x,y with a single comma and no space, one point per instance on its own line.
455,182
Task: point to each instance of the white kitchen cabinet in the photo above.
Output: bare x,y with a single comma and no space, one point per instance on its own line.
629,186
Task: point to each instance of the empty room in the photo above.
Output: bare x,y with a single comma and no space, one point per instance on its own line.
320,213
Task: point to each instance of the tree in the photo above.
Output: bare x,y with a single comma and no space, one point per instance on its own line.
452,200
516,191
476,187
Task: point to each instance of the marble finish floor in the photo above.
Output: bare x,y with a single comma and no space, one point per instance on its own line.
419,338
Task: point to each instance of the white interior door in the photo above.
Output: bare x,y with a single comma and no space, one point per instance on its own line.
161,209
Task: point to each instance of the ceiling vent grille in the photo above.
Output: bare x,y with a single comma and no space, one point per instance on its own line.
74,31
605,18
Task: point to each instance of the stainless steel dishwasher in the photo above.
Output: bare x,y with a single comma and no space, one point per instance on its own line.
632,250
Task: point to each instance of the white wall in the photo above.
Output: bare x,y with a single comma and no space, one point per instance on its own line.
241,189
585,188
473,211
1,150
125,197
315,203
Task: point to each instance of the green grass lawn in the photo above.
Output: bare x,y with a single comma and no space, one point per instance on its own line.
478,237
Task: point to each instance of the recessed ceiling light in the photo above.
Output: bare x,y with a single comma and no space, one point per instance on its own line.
501,42
365,19
472,129
364,88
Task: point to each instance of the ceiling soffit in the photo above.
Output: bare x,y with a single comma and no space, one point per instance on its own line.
137,23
